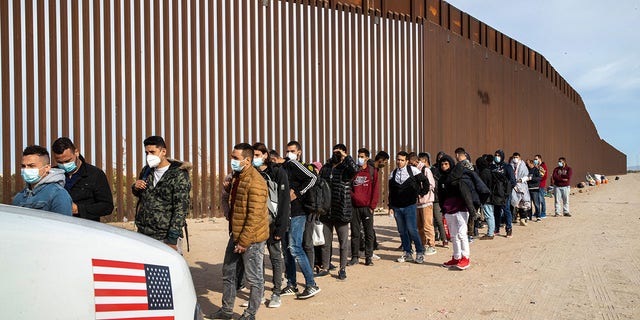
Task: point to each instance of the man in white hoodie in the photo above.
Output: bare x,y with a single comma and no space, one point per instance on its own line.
45,185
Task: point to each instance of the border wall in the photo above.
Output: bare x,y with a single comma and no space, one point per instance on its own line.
395,75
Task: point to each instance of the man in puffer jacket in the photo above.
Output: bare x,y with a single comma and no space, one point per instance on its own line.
249,231
338,171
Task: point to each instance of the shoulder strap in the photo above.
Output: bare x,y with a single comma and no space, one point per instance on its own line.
409,170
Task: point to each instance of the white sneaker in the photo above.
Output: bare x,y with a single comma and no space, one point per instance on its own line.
375,257
405,257
246,303
419,258
429,251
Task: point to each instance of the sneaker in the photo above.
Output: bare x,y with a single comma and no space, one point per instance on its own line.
322,273
219,315
247,317
353,261
246,303
342,274
556,215
523,222
463,263
332,266
419,258
470,239
445,244
275,301
509,234
405,257
567,214
368,262
451,263
309,292
538,219
289,291
375,257
430,251
486,237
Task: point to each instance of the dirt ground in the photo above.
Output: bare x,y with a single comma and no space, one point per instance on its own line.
581,267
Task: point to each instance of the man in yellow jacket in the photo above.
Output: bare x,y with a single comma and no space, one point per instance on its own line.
249,230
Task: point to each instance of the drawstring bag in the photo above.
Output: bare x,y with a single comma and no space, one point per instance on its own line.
318,233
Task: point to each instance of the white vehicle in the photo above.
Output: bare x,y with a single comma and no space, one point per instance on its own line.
59,267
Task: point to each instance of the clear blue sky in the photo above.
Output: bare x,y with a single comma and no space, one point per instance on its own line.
594,45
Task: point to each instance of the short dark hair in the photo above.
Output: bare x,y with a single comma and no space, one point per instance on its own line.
538,156
37,150
61,144
413,156
259,146
423,155
340,146
460,150
403,153
563,159
273,153
515,154
155,141
365,151
382,155
294,143
247,149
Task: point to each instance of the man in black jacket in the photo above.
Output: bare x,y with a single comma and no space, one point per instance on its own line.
87,185
338,171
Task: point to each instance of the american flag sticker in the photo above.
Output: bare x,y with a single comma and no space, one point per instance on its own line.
128,290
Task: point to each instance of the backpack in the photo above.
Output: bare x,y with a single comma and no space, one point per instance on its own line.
499,188
272,199
317,200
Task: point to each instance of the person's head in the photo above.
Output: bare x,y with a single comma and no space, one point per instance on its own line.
363,157
498,156
156,151
35,164
260,155
460,154
515,158
66,155
294,150
446,163
537,160
530,163
562,162
425,158
481,163
381,159
275,157
402,159
413,159
241,157
339,153
317,166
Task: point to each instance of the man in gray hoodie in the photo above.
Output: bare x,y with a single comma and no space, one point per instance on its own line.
45,185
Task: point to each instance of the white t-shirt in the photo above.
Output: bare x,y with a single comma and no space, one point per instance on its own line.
402,174
158,173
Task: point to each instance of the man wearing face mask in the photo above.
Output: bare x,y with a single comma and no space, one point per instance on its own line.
520,197
44,190
542,167
162,189
364,195
87,185
561,181
503,210
249,220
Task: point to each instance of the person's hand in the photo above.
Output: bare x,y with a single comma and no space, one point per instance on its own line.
390,212
277,238
239,249
173,246
292,195
140,185
74,208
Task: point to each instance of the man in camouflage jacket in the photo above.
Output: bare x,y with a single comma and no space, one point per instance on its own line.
162,189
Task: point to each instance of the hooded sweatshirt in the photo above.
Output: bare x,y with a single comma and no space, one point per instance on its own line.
47,194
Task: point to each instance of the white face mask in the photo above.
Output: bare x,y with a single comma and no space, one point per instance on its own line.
292,156
361,162
516,160
153,160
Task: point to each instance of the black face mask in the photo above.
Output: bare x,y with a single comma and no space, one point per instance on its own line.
336,158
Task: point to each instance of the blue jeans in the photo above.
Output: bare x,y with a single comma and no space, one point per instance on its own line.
503,212
535,197
295,253
488,216
408,228
253,260
543,203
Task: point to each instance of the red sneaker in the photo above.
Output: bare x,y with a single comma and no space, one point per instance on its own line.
451,263
463,263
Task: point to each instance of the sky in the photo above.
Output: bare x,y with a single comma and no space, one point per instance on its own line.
594,45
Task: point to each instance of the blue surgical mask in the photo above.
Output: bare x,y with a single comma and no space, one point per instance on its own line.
361,162
560,164
30,176
497,159
68,167
536,162
235,165
258,162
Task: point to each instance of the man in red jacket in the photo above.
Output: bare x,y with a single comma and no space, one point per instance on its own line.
561,181
544,172
364,197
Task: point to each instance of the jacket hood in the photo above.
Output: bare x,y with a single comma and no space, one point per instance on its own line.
180,164
448,158
55,176
481,163
501,153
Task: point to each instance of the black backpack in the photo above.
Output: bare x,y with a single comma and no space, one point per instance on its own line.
317,200
500,187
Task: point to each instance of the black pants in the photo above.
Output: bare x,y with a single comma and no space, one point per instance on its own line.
362,217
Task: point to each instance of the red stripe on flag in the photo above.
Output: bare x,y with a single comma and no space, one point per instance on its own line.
120,293
121,307
117,264
119,278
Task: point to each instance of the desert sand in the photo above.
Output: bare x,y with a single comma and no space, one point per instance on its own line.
582,267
